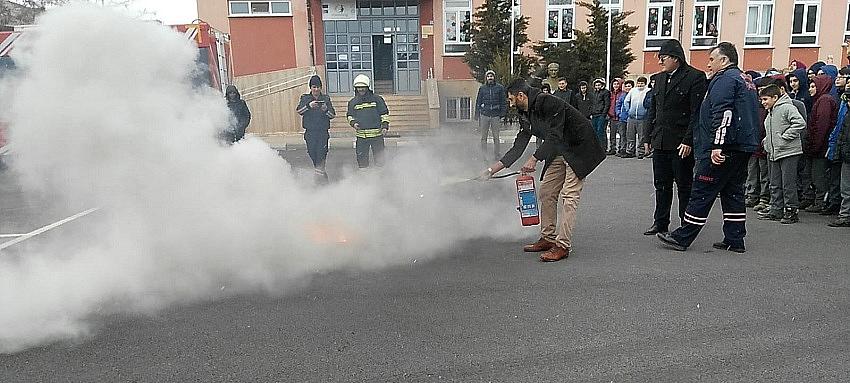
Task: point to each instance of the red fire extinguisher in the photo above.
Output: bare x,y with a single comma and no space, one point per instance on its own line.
527,197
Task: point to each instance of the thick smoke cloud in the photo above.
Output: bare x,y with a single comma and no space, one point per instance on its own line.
103,114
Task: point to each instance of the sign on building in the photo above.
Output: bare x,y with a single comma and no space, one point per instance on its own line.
339,10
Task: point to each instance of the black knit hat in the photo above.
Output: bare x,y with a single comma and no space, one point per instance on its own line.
673,48
315,81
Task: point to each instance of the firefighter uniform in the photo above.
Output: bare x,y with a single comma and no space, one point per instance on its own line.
316,122
729,122
368,114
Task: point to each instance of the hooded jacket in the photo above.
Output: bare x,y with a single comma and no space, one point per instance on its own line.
782,130
803,93
633,103
601,102
613,110
832,151
832,72
565,132
800,64
822,119
240,115
583,102
843,144
728,116
673,113
491,100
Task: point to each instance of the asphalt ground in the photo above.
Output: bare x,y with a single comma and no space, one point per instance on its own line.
619,309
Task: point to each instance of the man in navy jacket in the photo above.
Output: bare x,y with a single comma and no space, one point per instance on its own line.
725,139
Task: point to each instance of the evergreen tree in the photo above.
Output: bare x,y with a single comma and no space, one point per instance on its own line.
584,58
490,33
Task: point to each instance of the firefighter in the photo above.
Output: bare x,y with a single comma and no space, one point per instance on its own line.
316,113
369,116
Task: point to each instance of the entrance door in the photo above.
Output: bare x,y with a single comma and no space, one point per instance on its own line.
383,64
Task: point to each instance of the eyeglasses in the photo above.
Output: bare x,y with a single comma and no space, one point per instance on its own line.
663,58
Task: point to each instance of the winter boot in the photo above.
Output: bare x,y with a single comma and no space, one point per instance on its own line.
761,207
816,207
790,216
752,202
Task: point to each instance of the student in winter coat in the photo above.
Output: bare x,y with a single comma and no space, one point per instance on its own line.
758,182
723,143
613,115
583,100
822,120
563,92
490,110
833,199
842,153
784,148
798,88
240,116
623,118
599,112
570,153
671,120
316,113
633,107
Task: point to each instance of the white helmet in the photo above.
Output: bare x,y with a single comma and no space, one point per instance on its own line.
361,80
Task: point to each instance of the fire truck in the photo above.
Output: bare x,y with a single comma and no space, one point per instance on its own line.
213,60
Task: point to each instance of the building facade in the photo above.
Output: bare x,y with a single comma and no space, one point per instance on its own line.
402,43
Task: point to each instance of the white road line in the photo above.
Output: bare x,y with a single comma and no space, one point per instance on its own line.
11,235
46,228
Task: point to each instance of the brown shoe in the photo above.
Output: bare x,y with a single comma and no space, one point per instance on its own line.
540,245
555,254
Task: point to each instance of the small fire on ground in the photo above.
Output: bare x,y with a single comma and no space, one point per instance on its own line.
325,233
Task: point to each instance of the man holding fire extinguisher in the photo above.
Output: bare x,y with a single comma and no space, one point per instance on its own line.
570,151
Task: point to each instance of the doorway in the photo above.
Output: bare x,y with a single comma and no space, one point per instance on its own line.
382,64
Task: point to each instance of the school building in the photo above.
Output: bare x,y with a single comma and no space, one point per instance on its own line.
413,49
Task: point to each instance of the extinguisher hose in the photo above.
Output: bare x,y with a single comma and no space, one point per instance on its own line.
506,175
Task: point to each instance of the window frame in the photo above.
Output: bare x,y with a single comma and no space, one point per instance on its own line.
458,11
660,5
760,4
611,6
704,36
250,13
847,23
459,111
816,34
561,9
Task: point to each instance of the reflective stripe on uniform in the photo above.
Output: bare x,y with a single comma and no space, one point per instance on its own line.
385,118
735,217
368,133
694,220
366,105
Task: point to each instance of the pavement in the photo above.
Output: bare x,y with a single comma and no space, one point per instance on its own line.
619,309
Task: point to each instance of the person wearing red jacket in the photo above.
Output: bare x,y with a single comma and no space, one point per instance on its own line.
821,121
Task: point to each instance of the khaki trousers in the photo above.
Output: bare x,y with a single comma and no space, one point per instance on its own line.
560,192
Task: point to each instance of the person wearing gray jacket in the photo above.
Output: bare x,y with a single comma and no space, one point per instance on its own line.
784,148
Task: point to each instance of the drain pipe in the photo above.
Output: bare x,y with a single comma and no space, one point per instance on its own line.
310,32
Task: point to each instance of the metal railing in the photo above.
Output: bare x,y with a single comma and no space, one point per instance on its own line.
276,86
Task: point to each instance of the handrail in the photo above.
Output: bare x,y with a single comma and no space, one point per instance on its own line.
311,73
272,88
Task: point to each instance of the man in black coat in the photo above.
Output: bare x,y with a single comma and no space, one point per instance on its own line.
316,112
240,116
570,151
672,117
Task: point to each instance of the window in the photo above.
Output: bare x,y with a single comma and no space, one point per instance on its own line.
759,23
804,28
706,23
458,15
659,23
458,109
847,25
559,19
260,8
613,6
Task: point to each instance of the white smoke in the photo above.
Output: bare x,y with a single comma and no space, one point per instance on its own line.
103,114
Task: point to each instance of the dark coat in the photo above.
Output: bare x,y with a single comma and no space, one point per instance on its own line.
240,116
566,95
843,147
584,103
601,102
315,119
369,111
673,112
729,116
564,131
491,101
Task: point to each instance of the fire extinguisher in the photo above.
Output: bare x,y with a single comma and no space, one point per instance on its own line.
527,197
